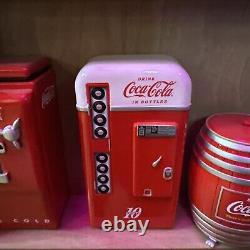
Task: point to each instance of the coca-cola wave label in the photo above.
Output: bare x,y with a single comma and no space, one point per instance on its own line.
239,208
233,206
156,89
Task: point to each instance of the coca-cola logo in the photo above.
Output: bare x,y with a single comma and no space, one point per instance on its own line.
157,89
233,206
48,95
238,208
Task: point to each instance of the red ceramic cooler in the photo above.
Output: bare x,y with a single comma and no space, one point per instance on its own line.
33,186
133,113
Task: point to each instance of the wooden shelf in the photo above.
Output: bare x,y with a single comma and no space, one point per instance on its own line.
75,233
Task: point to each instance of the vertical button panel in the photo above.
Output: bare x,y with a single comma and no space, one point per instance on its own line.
99,112
102,163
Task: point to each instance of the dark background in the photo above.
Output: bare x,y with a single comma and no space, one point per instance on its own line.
211,39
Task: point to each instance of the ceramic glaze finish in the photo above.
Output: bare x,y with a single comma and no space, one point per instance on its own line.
222,175
224,125
137,81
33,186
144,142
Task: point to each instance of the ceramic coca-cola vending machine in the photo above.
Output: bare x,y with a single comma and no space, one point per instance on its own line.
133,113
33,186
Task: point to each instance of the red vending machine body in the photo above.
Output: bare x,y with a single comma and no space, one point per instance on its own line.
33,186
133,115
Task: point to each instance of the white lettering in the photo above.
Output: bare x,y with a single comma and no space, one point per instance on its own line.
106,225
26,220
133,213
238,208
143,227
116,225
131,226
46,221
157,89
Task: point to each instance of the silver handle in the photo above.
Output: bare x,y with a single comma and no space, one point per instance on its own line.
12,133
156,162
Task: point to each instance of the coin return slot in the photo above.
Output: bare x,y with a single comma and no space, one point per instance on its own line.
147,192
168,173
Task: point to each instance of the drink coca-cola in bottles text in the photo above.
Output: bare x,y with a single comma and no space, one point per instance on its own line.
133,113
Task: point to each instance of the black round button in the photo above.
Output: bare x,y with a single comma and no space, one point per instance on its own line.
102,157
103,189
98,93
100,132
100,120
99,106
102,178
102,168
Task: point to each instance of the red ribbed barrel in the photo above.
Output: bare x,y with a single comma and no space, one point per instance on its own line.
219,179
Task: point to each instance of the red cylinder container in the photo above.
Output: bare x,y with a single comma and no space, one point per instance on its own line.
219,179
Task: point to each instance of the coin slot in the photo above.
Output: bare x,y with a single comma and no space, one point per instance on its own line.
168,173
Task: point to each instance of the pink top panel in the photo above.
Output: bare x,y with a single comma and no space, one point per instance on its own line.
137,82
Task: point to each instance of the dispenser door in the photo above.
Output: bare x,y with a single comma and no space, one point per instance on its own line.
154,157
22,180
16,128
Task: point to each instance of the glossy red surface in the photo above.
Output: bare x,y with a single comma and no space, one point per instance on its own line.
212,194
21,67
204,193
234,127
131,167
37,190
